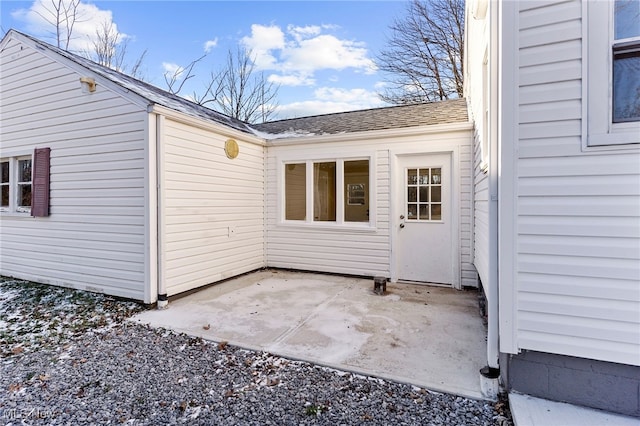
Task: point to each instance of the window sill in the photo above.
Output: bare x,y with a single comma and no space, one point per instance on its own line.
612,141
7,213
342,227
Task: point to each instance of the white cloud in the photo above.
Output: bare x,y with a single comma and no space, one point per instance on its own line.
292,80
328,52
262,42
172,69
380,85
330,100
264,38
300,33
362,97
301,51
39,16
210,44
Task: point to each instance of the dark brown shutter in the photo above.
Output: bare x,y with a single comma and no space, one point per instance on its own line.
40,183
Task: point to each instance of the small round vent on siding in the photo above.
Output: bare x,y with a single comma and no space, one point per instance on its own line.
231,148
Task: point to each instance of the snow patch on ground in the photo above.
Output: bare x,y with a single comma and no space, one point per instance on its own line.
38,315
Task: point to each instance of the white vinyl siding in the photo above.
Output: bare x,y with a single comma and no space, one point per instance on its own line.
481,248
329,248
477,87
578,229
469,275
213,208
365,250
94,238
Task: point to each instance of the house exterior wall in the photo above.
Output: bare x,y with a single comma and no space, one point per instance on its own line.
477,89
212,207
94,237
578,210
569,216
359,250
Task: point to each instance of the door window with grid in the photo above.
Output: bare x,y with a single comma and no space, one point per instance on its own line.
424,194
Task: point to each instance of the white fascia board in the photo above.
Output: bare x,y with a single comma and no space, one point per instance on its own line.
12,34
204,124
6,39
373,134
465,65
80,69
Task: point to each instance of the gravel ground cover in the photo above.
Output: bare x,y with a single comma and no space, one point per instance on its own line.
70,358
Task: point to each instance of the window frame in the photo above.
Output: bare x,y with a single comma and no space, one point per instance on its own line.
341,199
319,207
19,183
7,184
598,129
14,182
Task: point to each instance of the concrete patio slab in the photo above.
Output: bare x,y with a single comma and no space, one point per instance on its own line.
428,336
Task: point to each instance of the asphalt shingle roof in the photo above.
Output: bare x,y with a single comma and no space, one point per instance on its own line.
444,112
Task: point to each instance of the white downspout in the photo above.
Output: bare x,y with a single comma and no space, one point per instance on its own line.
493,333
151,193
491,372
163,300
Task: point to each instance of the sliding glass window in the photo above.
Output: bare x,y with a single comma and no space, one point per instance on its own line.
339,191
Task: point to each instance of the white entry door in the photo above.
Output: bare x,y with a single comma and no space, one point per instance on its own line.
424,222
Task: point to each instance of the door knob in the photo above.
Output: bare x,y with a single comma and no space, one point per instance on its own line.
402,225
401,216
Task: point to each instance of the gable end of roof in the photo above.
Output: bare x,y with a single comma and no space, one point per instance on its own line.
151,94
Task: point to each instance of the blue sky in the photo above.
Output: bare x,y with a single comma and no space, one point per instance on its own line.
320,52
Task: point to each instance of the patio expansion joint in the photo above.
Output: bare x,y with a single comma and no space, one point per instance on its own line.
286,334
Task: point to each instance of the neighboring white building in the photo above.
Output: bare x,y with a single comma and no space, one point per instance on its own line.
553,89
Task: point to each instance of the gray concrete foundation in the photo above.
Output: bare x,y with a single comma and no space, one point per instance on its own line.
603,385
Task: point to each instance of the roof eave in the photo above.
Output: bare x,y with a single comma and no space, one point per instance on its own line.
373,134
205,124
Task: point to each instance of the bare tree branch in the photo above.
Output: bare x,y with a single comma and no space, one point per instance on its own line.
212,92
105,46
110,50
175,81
425,53
238,91
70,18
62,15
136,69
